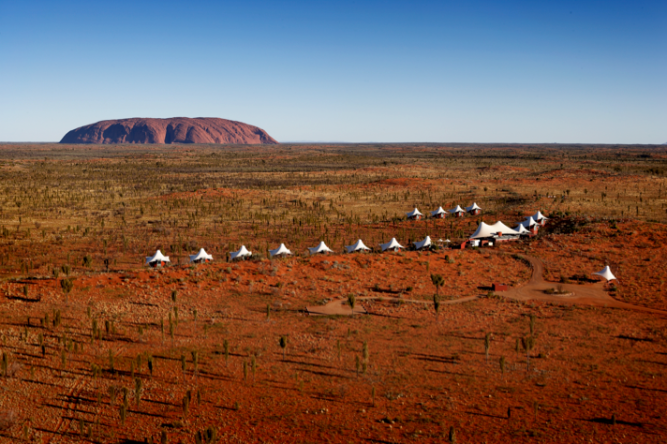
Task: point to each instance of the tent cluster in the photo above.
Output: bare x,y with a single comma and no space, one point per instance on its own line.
473,209
501,232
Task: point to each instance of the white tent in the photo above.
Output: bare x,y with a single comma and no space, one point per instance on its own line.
358,246
202,256
528,223
423,244
321,248
243,252
457,211
414,214
521,229
540,218
473,208
280,251
606,273
158,257
496,230
392,245
440,213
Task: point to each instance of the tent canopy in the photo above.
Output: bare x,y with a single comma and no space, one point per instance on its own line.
358,245
157,257
521,229
539,217
321,248
414,213
606,273
281,250
485,230
423,244
472,207
438,212
243,252
458,209
391,245
201,256
529,222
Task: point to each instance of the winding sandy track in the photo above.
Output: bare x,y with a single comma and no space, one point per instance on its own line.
585,294
534,289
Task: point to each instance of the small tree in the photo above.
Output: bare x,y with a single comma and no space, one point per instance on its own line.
502,366
487,345
352,300
66,285
438,281
283,345
436,304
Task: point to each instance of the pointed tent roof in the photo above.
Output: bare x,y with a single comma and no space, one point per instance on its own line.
321,248
359,245
472,207
438,212
521,229
539,217
606,273
158,256
414,213
458,209
485,230
243,252
529,222
201,256
282,249
393,243
423,244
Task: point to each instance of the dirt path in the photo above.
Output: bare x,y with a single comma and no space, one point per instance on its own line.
585,294
341,307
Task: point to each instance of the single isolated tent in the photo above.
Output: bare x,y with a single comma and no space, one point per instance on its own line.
392,245
439,213
423,245
241,254
202,256
320,249
606,273
157,260
280,251
358,246
473,209
458,211
414,214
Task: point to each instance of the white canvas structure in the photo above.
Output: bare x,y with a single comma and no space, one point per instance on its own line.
496,231
529,223
202,256
458,211
439,213
606,273
320,249
358,246
280,251
157,258
392,245
473,208
414,214
522,230
426,243
540,218
243,252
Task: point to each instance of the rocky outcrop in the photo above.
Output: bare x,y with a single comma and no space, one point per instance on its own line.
174,130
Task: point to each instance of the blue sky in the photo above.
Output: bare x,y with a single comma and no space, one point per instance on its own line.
387,71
